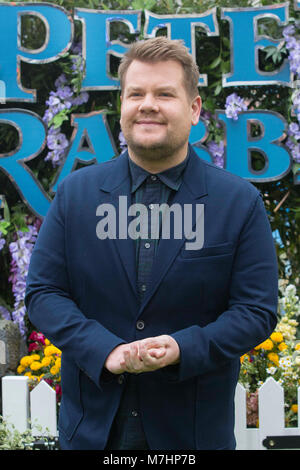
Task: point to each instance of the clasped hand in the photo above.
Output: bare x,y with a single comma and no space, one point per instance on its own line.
144,355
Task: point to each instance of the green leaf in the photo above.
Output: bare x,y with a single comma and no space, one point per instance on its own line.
218,89
6,211
3,226
215,63
270,51
295,168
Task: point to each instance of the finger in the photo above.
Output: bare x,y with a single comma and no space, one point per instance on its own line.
133,360
150,361
152,343
157,352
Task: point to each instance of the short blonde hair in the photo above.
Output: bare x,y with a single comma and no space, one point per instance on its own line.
161,49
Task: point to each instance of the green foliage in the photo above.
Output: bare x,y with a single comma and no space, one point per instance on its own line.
12,439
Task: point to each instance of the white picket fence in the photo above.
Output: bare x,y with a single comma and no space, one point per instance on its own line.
38,409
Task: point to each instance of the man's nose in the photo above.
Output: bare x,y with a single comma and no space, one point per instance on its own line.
149,104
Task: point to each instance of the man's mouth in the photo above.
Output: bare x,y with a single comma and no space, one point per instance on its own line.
149,123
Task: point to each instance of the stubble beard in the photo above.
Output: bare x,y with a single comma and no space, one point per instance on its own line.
156,151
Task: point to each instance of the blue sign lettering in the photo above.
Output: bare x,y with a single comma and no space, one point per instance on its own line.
55,19
91,142
183,27
32,138
244,54
98,46
278,161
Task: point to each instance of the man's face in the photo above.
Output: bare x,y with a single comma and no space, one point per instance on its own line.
156,112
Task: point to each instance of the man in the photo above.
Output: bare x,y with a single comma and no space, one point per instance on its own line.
151,327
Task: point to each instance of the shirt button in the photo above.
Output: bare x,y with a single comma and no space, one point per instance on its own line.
121,379
151,206
147,245
153,177
140,325
134,413
143,287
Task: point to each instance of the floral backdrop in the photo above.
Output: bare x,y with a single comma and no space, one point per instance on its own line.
60,95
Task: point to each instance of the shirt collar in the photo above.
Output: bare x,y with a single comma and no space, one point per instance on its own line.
172,177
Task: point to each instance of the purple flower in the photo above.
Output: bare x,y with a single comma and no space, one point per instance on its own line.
57,141
62,99
294,130
122,141
234,105
288,31
20,250
83,97
61,80
293,46
217,151
296,153
4,313
64,92
2,241
77,48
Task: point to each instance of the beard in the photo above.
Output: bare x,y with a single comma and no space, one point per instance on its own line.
155,151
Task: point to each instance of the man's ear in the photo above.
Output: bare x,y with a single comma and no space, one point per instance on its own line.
196,110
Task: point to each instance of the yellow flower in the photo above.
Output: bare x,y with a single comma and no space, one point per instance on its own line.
294,408
47,342
35,357
267,345
26,361
244,356
274,358
20,369
282,346
46,361
49,350
54,370
297,347
276,336
36,365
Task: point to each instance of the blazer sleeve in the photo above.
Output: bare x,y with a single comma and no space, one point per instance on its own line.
50,307
252,308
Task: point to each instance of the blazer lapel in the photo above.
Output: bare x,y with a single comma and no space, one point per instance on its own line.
192,189
117,186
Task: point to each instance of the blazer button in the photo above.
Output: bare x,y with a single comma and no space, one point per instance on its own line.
121,379
140,325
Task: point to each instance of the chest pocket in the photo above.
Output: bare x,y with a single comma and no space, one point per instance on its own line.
209,251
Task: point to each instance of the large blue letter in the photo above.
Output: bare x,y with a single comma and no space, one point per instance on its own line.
97,45
278,161
245,44
93,131
59,35
32,138
183,27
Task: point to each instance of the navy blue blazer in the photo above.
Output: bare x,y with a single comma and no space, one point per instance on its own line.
218,302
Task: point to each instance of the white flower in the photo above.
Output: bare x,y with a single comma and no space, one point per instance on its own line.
290,289
285,362
271,370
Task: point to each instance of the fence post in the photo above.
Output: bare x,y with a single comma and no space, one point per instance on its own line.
271,409
43,410
240,428
2,353
15,401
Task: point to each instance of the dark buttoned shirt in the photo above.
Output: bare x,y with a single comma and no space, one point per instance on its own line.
146,189
151,189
